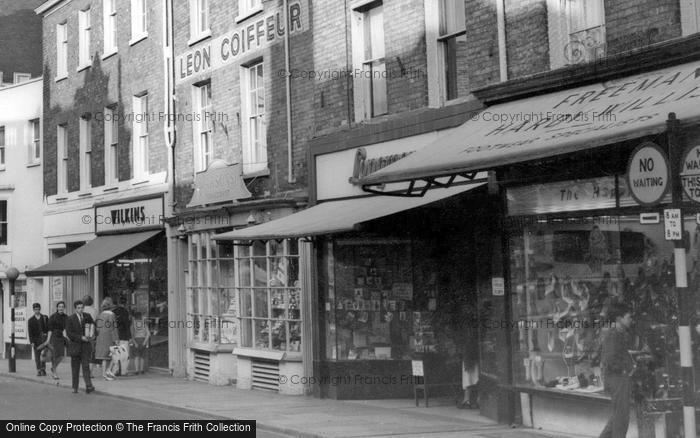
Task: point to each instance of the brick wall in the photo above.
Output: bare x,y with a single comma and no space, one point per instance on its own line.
482,43
226,100
631,24
526,37
134,69
20,38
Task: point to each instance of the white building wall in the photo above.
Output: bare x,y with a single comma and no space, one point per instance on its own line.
21,184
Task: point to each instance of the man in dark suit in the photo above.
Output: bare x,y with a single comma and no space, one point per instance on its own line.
79,347
38,328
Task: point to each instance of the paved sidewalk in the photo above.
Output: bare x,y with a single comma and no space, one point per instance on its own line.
293,415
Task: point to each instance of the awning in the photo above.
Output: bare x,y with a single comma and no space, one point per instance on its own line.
96,251
554,124
338,216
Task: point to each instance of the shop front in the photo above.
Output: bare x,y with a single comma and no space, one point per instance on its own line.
126,261
381,283
591,217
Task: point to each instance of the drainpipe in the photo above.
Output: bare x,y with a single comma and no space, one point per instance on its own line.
288,80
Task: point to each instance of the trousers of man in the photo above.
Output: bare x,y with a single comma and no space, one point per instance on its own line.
619,388
40,366
82,361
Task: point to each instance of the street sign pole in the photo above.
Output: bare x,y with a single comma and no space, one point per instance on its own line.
686,304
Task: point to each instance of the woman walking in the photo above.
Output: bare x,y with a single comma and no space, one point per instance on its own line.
107,336
56,340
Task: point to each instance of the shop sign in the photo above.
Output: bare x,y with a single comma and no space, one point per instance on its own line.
134,215
364,166
20,323
585,194
246,40
57,288
673,227
498,286
417,368
648,174
690,174
220,182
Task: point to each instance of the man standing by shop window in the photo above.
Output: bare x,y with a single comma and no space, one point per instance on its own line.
617,368
80,347
124,329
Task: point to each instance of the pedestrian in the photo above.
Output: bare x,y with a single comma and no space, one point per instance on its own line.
38,328
79,329
90,310
140,336
56,341
617,368
124,329
107,336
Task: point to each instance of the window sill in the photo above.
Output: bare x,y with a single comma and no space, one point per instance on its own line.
109,54
34,164
247,14
201,37
84,194
60,78
138,38
110,189
257,173
260,354
83,67
139,181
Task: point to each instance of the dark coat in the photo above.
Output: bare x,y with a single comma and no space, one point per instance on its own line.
38,328
75,332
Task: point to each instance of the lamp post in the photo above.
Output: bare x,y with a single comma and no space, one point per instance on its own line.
12,274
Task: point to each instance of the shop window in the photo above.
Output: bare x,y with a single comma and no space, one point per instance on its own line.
111,130
139,20
61,50
85,153
270,295
212,309
368,58
84,38
34,146
453,43
566,272
109,22
140,141
254,117
204,144
21,77
576,31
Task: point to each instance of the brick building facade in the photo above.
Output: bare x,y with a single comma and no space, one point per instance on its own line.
20,32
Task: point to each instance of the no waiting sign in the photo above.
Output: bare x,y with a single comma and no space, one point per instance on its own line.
690,173
648,174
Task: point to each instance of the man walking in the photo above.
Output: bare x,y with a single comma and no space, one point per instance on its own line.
78,328
617,367
124,329
38,328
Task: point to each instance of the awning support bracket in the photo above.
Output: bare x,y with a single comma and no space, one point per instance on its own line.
411,191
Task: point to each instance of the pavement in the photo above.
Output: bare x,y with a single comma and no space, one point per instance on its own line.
296,416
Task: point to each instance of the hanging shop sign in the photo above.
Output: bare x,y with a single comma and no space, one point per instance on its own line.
498,286
135,215
648,174
221,182
364,166
690,174
583,194
243,41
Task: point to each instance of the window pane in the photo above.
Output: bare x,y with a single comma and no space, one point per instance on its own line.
379,104
376,33
260,303
226,273
279,334
279,304
259,249
3,233
225,250
262,333
294,336
260,272
456,67
294,303
244,272
453,17
246,303
247,332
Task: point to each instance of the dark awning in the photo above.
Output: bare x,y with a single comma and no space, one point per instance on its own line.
96,251
338,216
554,124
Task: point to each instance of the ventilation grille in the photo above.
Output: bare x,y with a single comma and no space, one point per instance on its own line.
201,366
266,375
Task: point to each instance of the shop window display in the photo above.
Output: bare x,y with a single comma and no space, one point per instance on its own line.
270,295
140,276
383,303
212,309
565,274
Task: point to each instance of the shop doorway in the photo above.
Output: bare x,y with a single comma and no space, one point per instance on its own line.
140,276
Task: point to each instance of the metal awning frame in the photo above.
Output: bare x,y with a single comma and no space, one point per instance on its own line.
418,191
